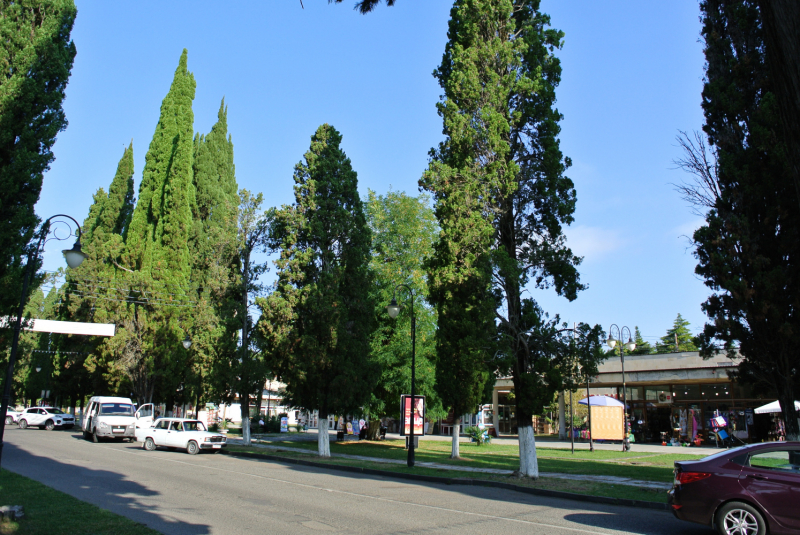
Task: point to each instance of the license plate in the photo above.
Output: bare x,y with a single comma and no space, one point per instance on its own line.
119,430
217,446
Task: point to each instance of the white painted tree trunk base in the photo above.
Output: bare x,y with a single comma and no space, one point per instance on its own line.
528,463
323,438
246,431
454,452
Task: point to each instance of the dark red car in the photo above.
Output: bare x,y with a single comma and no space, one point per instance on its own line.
752,490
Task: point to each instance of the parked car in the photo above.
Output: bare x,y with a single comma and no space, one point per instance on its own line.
45,418
184,433
750,490
12,416
108,417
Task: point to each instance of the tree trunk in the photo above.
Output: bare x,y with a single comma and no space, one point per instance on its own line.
528,463
790,415
562,418
323,440
245,404
374,430
454,453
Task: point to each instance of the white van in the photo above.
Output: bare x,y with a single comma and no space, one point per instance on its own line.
110,417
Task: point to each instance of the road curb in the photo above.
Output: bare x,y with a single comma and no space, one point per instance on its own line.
454,481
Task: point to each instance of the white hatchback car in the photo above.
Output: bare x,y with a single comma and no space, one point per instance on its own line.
45,418
183,433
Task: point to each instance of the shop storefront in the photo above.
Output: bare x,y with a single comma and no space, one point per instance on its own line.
671,397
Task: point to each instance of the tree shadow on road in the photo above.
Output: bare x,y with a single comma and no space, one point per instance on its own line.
105,489
656,524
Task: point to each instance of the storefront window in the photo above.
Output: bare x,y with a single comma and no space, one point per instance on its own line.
741,391
687,392
633,394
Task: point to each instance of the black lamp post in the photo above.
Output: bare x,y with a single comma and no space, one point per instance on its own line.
74,258
394,309
612,342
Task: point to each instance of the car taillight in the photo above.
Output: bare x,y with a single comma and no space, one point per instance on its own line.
682,478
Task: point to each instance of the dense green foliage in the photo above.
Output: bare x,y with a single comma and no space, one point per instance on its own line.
317,322
680,332
403,231
748,249
37,56
502,200
214,246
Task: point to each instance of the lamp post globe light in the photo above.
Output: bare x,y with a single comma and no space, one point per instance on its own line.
74,258
394,309
617,336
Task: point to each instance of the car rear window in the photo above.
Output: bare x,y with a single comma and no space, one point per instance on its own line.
119,409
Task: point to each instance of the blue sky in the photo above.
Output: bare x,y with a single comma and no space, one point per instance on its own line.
632,77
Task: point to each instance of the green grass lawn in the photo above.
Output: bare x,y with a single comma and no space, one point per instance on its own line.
635,465
50,512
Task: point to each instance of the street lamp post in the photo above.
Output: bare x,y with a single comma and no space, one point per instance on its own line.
74,258
394,309
612,342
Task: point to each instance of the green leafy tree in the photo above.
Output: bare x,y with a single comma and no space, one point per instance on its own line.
642,347
365,6
37,56
678,338
501,195
747,250
317,322
403,231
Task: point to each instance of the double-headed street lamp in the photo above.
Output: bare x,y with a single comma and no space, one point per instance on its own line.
394,309
74,258
630,345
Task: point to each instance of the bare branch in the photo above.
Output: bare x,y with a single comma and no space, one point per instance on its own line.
702,192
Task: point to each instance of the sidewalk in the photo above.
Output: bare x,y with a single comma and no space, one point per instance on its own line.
600,479
541,442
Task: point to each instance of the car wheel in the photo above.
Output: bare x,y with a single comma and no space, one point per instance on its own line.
9,420
95,438
50,425
23,424
149,445
738,518
192,448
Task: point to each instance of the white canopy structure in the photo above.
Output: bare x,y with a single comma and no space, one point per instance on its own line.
62,327
775,406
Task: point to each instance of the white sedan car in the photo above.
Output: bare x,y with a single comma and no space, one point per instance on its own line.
45,418
183,433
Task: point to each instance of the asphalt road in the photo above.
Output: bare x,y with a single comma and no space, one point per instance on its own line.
176,493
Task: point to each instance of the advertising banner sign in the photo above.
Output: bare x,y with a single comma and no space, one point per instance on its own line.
419,415
284,424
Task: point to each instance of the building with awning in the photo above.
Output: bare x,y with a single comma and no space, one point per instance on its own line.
667,393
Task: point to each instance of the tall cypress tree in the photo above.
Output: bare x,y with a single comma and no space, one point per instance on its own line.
157,254
37,56
502,200
318,321
214,248
87,295
748,250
